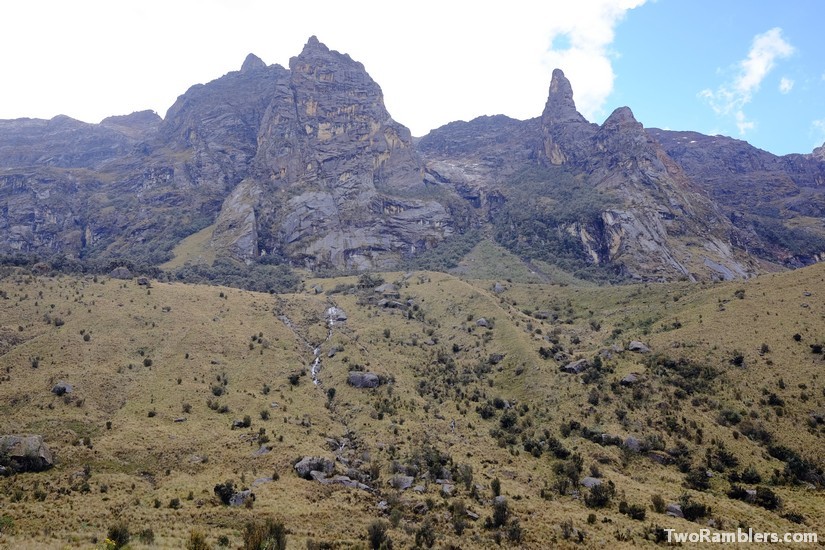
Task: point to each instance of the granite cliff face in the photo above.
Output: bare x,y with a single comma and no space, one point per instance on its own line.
646,217
333,174
304,164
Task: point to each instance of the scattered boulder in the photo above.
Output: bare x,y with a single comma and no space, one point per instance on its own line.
590,482
62,388
638,347
332,351
363,379
336,314
496,358
120,272
317,289
498,288
632,444
240,498
420,489
25,453
482,322
262,450
674,510
402,482
143,281
660,458
576,366
630,379
447,489
309,464
472,515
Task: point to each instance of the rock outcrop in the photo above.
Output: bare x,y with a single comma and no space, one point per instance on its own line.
308,464
329,164
359,379
25,453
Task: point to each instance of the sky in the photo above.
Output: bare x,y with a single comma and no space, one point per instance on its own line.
749,69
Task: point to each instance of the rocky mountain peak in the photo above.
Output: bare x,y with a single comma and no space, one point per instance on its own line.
564,129
622,120
560,106
251,63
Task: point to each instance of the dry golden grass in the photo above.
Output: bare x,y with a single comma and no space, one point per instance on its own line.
200,337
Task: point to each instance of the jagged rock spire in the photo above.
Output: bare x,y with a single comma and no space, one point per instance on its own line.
560,106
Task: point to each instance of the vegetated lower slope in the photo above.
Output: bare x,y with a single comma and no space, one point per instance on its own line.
729,400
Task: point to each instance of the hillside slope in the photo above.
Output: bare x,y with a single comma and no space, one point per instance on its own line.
471,395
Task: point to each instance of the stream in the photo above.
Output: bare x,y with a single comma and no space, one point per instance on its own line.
332,315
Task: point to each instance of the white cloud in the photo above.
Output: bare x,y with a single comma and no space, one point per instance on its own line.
730,98
436,60
785,85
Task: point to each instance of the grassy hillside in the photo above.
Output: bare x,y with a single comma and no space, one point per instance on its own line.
159,375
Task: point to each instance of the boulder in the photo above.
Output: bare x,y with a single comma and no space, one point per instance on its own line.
363,379
482,322
590,482
447,489
309,464
632,444
674,510
402,482
120,272
25,453
630,379
62,388
143,281
660,458
638,347
336,314
498,288
240,498
576,366
495,358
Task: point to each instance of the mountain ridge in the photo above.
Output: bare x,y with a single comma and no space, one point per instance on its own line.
304,165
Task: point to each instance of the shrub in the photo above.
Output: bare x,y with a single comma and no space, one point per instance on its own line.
267,535
119,534
515,533
147,536
600,495
377,535
224,491
174,503
693,510
501,512
750,475
197,541
697,478
658,503
6,525
767,499
425,535
496,487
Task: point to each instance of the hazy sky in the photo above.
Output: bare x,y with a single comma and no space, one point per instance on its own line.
751,69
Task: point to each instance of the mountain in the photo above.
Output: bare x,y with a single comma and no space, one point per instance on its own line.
304,166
